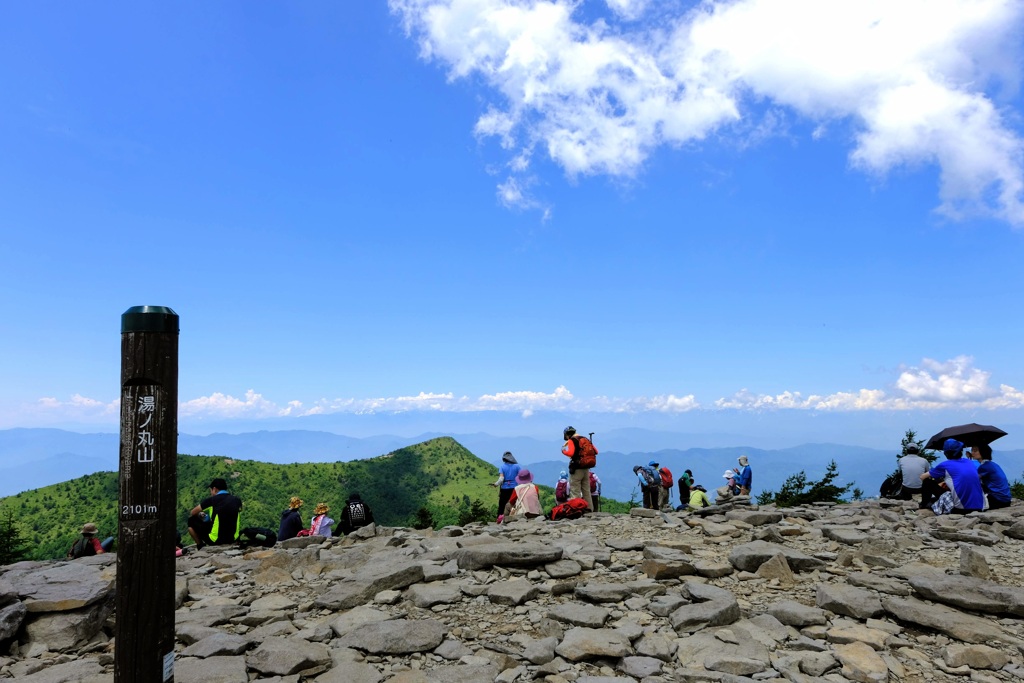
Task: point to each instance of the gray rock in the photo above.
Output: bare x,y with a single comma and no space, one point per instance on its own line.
749,556
590,616
11,618
712,606
426,595
68,672
286,656
844,535
62,587
65,630
217,645
953,623
848,600
398,636
514,592
640,667
585,643
350,672
975,656
356,618
540,651
563,569
506,555
367,582
968,592
755,517
879,584
603,592
210,670
793,613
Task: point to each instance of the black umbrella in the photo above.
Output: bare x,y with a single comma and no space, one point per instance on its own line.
970,435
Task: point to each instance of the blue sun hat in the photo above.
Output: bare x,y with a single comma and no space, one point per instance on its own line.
653,463
953,448
563,475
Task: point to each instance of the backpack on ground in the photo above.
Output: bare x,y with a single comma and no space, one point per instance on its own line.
562,490
585,453
83,547
574,508
259,536
666,477
892,486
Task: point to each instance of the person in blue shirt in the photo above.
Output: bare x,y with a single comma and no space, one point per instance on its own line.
506,479
964,492
993,479
746,478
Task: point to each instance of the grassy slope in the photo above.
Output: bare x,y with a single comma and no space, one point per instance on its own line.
439,475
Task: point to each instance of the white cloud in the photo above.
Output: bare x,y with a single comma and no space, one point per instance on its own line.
598,96
933,385
955,383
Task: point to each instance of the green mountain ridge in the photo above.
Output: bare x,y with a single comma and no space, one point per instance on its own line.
439,475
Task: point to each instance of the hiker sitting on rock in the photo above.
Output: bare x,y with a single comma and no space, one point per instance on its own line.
525,500
217,519
321,524
291,520
745,481
698,498
993,479
87,544
356,514
964,492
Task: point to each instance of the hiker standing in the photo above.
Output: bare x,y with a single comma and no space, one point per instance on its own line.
650,484
746,478
595,490
582,456
666,485
506,482
685,482
562,487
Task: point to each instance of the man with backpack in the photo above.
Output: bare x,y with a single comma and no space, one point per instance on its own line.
356,514
650,484
87,544
582,456
666,485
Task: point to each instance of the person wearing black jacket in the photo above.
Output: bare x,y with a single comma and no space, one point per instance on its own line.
291,520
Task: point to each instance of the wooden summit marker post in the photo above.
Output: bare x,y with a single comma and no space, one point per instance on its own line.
147,496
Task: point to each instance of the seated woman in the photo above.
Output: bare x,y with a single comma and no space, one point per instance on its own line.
321,523
993,479
291,520
698,498
525,500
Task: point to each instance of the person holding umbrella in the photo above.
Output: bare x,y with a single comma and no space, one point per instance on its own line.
993,479
964,492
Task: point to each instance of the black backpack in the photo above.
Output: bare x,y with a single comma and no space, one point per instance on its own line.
259,536
83,547
892,487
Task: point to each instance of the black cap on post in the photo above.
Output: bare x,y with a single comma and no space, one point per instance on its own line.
149,319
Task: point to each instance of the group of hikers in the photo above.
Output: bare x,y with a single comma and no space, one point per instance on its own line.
578,489
656,483
217,519
957,485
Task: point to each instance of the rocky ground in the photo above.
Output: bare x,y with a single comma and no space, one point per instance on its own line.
870,591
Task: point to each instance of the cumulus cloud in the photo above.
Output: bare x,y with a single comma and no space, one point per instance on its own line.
933,385
598,94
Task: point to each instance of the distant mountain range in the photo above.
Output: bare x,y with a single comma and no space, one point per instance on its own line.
32,458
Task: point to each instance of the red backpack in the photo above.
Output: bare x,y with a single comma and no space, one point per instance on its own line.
570,509
666,477
562,490
585,453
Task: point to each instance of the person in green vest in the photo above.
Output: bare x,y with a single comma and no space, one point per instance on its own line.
218,517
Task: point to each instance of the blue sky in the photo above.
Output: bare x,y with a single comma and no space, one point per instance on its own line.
650,208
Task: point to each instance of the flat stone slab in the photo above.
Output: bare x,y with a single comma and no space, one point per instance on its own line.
749,556
513,592
287,656
585,643
954,623
396,637
577,614
210,670
506,555
851,601
968,592
62,587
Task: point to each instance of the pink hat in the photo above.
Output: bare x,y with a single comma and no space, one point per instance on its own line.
524,477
